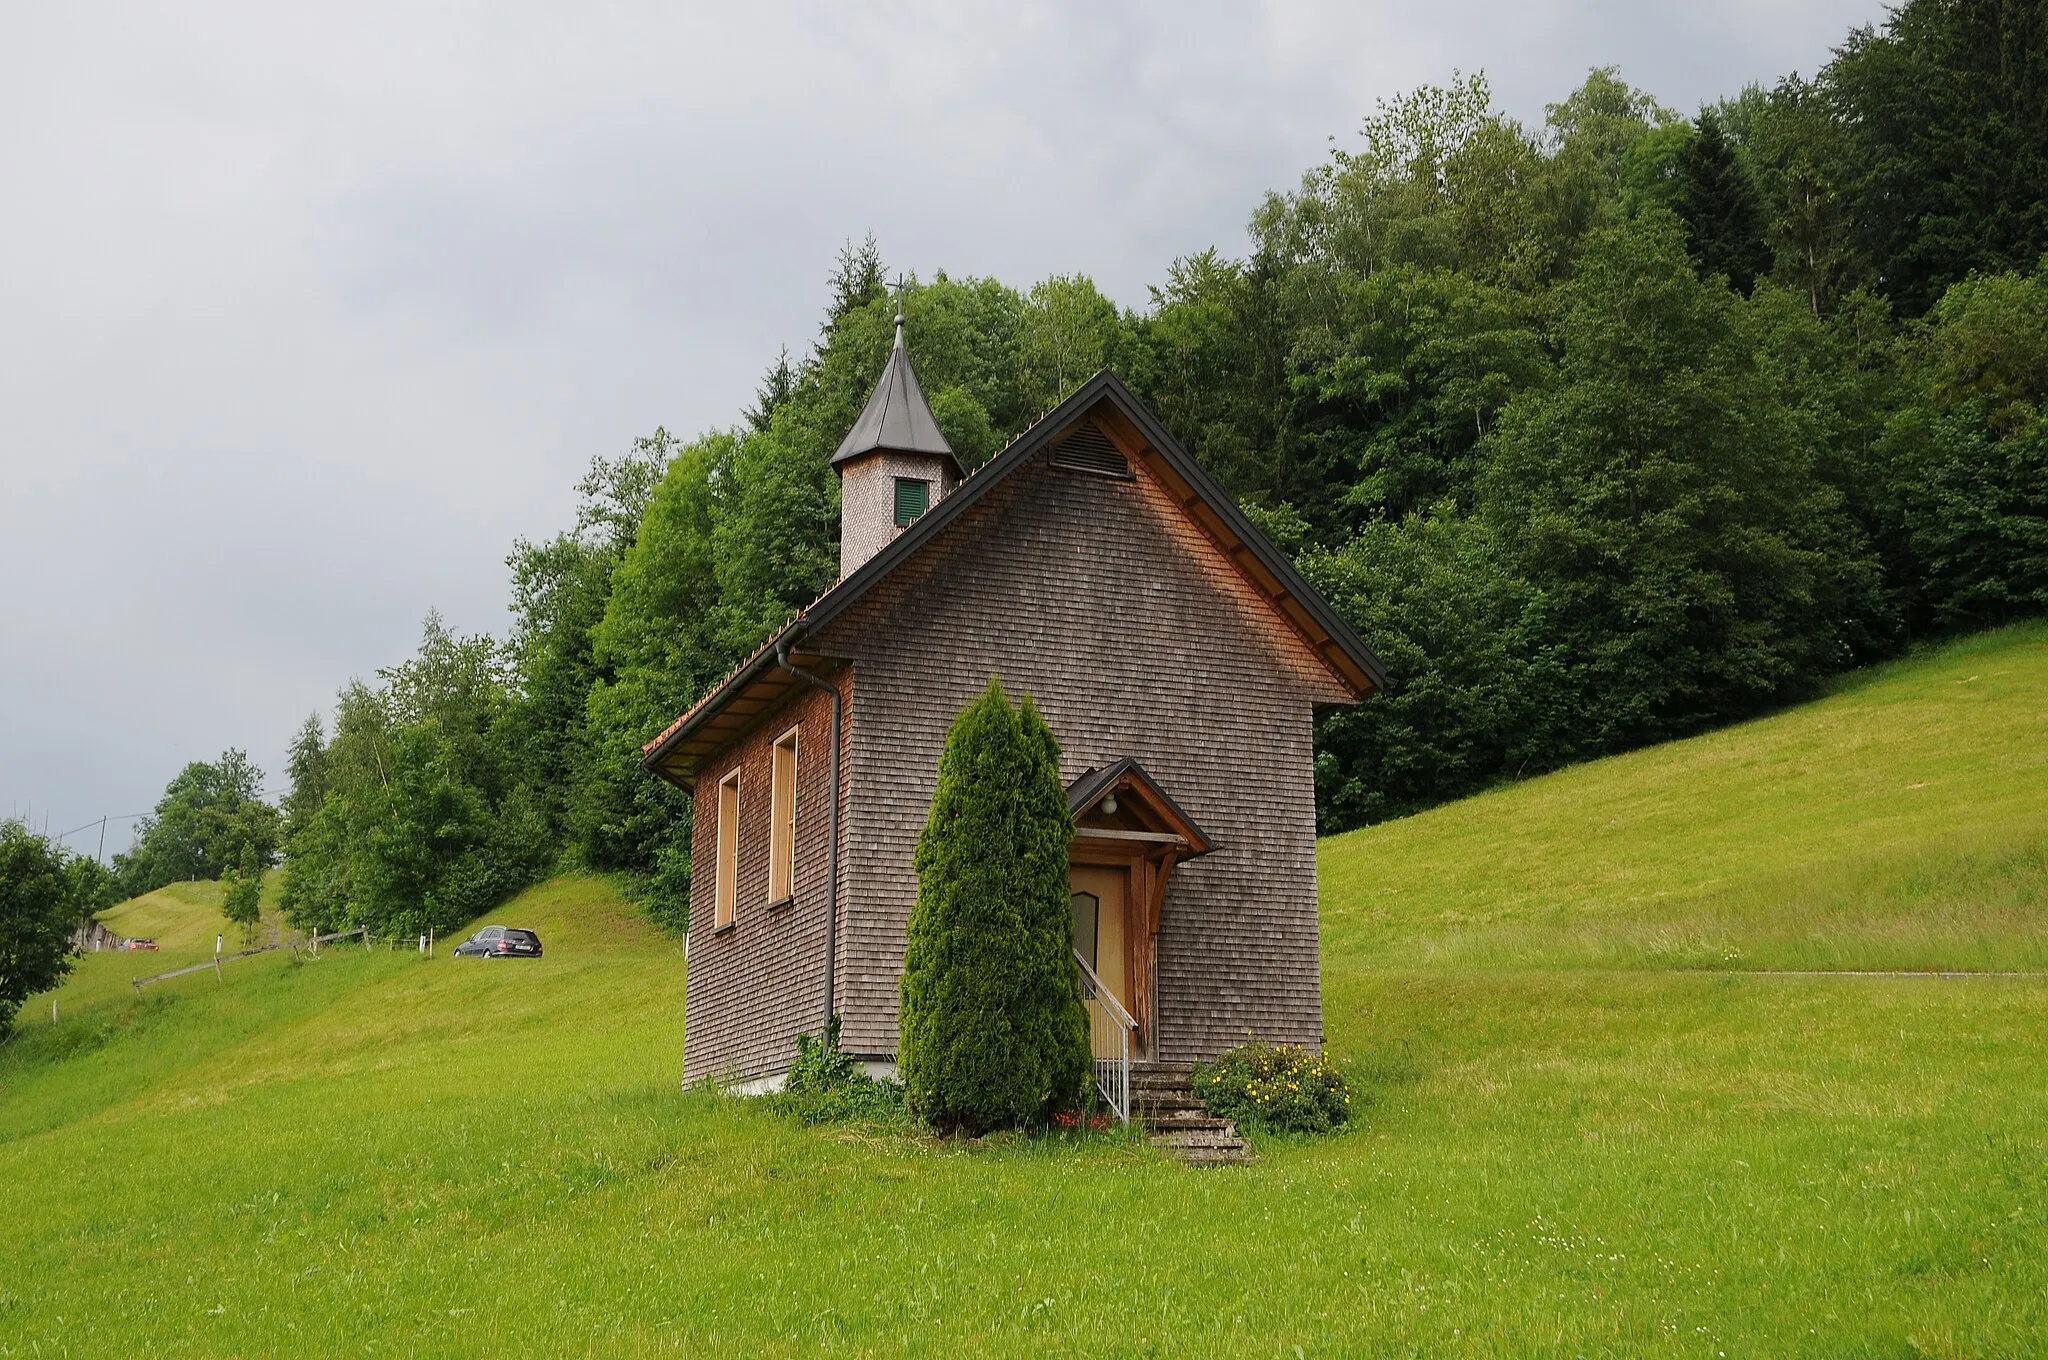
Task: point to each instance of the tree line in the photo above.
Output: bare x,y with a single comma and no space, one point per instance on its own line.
45,893
1601,432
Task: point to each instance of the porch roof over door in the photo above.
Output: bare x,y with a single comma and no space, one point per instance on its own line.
1144,810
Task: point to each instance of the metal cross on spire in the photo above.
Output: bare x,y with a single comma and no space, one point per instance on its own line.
897,417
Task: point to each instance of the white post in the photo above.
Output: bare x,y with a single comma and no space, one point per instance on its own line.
423,944
53,1010
216,944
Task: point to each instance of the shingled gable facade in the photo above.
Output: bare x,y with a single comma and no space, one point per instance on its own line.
1178,656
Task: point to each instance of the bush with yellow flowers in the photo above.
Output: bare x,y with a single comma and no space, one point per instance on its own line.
1278,1087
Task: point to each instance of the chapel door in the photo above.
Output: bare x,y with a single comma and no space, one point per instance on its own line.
1100,920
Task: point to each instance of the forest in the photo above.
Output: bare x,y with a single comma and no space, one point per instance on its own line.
1600,432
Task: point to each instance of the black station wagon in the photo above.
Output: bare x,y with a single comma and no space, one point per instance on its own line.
500,942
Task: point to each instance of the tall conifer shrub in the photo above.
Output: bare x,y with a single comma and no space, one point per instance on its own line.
993,1033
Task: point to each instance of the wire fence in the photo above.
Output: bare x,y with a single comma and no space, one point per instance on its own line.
311,944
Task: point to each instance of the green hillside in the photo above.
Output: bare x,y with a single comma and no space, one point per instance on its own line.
1900,823
184,919
1622,1101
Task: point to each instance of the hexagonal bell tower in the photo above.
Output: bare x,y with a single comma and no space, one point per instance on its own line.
893,464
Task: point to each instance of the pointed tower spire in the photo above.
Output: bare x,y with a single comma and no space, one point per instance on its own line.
893,464
897,418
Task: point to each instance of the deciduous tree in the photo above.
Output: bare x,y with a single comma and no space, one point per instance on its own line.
242,894
205,817
39,906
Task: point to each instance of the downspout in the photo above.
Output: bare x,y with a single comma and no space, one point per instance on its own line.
832,820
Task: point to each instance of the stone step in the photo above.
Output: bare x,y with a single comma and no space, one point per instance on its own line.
1222,1135
1195,1136
1203,1147
1145,1078
1177,1123
1237,1156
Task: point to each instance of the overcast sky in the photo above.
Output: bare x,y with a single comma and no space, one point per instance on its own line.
304,318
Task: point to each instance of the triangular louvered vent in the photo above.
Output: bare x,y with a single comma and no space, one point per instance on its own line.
1088,449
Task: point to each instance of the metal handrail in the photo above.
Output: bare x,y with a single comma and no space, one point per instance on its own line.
1112,1069
1101,989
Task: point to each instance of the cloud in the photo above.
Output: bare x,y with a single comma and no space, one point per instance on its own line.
305,316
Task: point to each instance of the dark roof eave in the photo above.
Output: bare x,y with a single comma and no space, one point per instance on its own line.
763,660
842,458
1278,563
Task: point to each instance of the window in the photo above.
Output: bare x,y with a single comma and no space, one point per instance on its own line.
782,819
1087,925
913,498
728,851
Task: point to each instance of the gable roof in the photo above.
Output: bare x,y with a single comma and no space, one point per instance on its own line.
758,682
897,418
1089,786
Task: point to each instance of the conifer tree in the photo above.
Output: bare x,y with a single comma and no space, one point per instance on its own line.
993,1032
1721,209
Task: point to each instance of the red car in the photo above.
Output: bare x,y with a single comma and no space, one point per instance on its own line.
140,944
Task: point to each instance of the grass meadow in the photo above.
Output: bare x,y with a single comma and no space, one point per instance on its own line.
1646,1065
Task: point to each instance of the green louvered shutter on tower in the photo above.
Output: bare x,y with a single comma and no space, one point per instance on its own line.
912,499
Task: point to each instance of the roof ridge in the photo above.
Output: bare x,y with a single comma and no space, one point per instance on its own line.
1340,640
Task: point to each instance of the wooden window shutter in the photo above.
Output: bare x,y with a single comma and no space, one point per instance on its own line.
782,819
913,498
726,884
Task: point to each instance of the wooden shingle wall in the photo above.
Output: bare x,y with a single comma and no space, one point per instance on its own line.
1135,637
752,989
867,500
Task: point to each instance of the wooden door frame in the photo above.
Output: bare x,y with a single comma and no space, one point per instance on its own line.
1146,868
1124,820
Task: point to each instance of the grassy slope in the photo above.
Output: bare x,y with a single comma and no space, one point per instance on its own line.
184,919
1902,823
1595,1130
